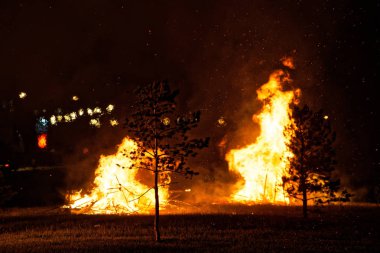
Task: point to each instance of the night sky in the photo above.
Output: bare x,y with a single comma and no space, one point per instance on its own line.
216,52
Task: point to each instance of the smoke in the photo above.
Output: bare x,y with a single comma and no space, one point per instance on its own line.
235,53
217,53
82,157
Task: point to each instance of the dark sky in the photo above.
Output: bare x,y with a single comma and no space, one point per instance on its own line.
217,52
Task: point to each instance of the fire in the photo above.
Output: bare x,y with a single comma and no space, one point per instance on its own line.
116,187
288,62
262,164
42,141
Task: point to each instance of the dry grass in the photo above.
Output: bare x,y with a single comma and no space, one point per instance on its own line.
235,229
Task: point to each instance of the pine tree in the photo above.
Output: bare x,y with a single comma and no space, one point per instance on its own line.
162,136
309,175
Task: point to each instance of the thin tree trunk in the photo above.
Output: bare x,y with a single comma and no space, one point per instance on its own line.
304,201
156,197
303,179
157,207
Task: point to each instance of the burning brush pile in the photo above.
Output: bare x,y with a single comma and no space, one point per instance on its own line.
116,189
260,166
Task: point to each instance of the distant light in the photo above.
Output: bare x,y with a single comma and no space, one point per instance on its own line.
221,122
188,190
75,98
97,110
42,141
22,95
44,122
165,121
110,108
53,120
81,112
95,123
6,165
326,117
73,115
89,111
42,125
67,118
114,122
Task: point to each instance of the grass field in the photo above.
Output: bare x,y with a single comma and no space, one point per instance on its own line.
224,229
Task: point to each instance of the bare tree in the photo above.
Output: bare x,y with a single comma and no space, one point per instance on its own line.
162,136
309,174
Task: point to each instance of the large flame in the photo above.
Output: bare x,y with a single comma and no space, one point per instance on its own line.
262,164
116,187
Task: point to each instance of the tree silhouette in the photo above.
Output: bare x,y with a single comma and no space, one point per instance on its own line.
162,136
309,173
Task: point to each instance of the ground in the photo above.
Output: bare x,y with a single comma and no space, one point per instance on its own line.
222,229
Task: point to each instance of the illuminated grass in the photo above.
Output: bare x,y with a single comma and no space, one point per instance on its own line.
268,229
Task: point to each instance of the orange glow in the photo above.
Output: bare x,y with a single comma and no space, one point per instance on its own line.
118,188
42,141
262,164
288,62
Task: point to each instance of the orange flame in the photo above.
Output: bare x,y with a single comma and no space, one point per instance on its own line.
116,187
42,141
262,164
288,62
